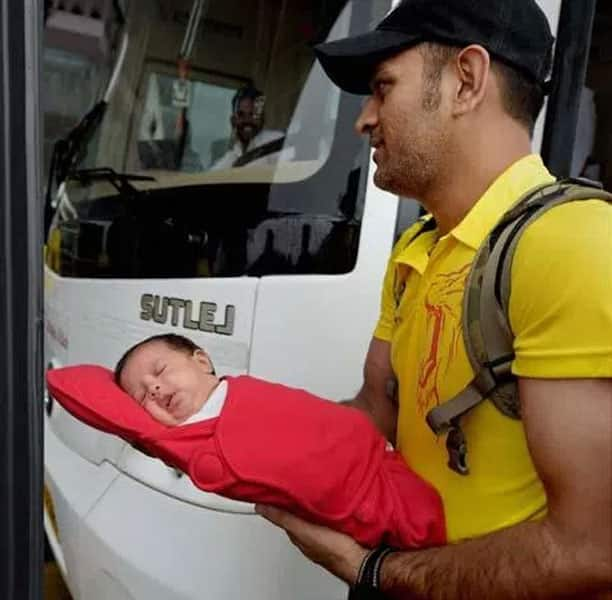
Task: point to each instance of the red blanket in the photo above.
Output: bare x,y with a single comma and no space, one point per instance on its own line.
276,445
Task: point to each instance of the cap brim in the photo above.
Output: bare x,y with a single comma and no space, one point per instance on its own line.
350,63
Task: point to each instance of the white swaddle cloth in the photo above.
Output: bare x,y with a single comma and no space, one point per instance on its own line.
212,407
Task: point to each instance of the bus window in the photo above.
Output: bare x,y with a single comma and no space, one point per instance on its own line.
72,82
592,155
206,138
244,152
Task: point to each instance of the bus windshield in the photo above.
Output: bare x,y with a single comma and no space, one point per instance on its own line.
237,141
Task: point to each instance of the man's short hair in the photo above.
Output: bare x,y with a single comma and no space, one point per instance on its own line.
522,96
176,342
247,91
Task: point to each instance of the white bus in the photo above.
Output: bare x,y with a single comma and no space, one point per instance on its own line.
273,266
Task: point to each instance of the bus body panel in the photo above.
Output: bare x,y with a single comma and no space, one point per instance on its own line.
314,331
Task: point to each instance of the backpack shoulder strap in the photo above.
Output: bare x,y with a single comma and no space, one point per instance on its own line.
487,333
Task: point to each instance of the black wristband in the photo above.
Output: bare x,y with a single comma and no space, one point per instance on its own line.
367,586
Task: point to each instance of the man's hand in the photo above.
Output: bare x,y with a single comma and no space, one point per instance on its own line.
336,552
565,555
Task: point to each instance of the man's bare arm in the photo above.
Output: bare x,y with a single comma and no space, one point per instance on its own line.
568,554
376,396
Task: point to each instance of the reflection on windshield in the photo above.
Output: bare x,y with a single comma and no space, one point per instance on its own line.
244,90
256,167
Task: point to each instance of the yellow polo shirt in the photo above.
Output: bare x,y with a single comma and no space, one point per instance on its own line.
561,315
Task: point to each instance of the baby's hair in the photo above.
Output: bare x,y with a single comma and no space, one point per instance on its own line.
176,342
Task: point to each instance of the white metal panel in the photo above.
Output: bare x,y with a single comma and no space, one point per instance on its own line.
75,486
158,476
98,319
222,556
313,331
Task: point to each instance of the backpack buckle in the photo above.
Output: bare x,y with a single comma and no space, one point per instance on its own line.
500,370
456,445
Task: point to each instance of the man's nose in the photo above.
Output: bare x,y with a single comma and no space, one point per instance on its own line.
368,117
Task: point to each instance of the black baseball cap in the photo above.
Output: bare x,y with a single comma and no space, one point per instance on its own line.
515,32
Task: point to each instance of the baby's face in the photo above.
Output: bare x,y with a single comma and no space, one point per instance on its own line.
169,384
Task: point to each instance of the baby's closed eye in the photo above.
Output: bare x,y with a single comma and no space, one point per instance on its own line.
160,368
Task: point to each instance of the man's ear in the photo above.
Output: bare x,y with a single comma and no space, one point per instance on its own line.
233,121
472,69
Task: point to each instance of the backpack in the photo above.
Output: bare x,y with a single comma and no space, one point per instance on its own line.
485,322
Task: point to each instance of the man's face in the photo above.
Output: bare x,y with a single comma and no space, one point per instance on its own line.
407,125
169,384
247,120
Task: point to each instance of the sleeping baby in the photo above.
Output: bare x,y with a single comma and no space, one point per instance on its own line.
256,441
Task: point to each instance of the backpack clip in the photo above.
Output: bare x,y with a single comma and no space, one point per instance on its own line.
456,445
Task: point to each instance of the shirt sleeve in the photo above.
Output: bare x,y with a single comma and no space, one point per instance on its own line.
384,327
561,294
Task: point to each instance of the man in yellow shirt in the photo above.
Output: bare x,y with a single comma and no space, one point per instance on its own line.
456,86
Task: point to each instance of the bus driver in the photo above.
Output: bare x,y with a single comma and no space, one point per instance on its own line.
252,144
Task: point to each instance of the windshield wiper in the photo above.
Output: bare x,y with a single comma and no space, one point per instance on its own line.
67,151
120,181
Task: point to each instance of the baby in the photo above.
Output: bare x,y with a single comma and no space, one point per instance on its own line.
257,441
172,378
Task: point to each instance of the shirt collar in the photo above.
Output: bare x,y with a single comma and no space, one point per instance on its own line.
416,254
516,181
519,178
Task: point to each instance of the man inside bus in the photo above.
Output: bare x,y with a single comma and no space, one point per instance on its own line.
455,87
251,144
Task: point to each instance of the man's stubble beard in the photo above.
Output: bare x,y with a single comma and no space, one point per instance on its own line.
420,159
416,165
